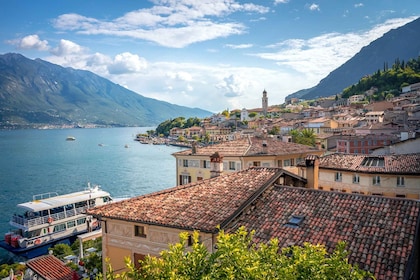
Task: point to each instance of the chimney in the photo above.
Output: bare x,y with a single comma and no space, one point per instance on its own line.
312,171
216,165
193,148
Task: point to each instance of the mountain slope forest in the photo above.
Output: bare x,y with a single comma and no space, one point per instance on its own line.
388,80
401,43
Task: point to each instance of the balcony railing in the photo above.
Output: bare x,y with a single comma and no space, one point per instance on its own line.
35,221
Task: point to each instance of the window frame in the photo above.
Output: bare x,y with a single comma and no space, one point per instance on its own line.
140,231
400,181
338,177
376,180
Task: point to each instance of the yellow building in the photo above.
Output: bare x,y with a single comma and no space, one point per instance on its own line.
389,175
194,164
273,203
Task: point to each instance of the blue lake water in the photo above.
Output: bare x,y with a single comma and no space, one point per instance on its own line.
39,161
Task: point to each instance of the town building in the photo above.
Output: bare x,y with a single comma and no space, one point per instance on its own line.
194,164
363,144
381,234
379,175
48,267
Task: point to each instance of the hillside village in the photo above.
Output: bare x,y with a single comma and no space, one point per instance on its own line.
359,183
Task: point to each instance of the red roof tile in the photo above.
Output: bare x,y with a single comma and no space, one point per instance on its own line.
380,232
394,164
252,146
202,205
50,268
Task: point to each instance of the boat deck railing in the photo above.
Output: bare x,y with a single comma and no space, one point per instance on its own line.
29,222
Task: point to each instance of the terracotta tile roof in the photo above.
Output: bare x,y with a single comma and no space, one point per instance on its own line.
380,232
252,146
51,268
202,205
393,164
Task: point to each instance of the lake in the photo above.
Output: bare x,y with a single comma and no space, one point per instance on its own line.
40,161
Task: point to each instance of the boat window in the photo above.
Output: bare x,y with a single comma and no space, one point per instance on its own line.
32,233
81,221
60,227
91,202
69,207
106,199
81,204
44,213
57,210
71,224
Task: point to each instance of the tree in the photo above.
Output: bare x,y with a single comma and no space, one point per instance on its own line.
237,257
304,136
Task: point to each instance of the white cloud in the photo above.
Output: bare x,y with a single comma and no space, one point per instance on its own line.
241,46
358,5
66,47
317,57
127,63
30,42
280,2
234,85
169,23
313,7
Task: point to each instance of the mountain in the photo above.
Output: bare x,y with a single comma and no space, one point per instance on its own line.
402,43
35,93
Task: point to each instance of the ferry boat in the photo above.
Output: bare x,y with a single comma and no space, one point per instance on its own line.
50,219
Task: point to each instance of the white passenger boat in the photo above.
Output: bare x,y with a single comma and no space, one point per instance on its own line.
50,219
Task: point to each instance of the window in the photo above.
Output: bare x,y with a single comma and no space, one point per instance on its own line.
295,221
71,224
279,163
205,164
400,181
139,231
338,176
356,179
81,221
184,179
286,162
376,180
232,165
256,163
400,195
185,162
60,227
373,161
199,178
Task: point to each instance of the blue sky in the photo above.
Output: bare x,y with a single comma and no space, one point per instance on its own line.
211,54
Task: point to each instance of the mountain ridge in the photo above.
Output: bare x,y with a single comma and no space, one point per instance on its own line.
401,43
37,93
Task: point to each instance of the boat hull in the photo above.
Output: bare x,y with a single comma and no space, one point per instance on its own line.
36,251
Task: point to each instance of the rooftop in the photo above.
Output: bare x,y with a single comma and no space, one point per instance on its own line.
51,268
202,205
380,232
252,146
390,164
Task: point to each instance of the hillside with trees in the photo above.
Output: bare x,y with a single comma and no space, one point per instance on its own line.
388,81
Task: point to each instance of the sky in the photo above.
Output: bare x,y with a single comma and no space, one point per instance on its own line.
208,54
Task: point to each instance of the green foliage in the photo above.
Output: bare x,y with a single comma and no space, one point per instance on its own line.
165,127
252,115
17,268
237,257
61,250
387,81
304,136
274,131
